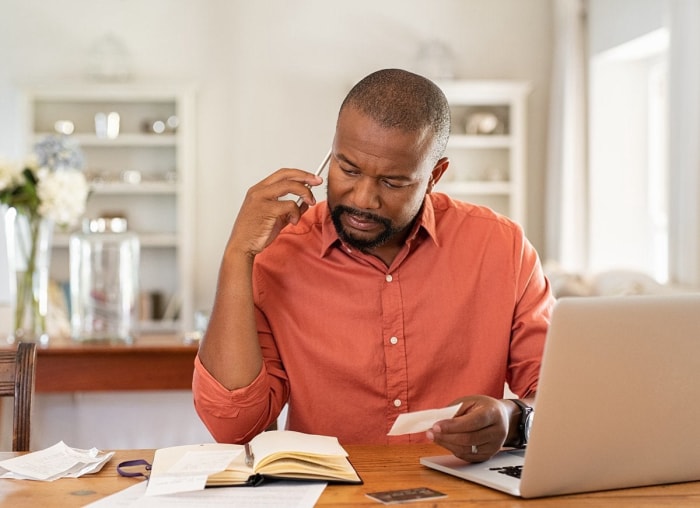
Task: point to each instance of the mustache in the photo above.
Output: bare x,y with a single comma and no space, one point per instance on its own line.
340,209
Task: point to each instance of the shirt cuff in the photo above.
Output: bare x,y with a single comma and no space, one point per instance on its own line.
216,399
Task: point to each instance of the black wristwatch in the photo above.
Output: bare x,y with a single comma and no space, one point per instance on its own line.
527,413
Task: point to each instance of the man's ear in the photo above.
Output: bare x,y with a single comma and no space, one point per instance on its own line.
437,172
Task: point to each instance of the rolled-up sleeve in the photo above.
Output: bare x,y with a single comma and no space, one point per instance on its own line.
233,416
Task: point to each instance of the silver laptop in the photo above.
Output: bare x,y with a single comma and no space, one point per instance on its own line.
618,403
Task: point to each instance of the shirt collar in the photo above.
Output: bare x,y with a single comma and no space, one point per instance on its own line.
426,224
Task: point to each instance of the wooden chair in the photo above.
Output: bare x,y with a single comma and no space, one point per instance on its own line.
17,375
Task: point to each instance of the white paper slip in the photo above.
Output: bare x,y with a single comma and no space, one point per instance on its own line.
420,421
190,472
204,462
272,495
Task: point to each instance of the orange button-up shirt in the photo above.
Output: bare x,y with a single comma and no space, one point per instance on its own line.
350,344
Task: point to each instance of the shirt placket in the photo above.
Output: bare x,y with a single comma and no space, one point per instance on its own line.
394,349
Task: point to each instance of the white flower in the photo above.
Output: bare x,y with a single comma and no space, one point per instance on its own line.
49,185
62,195
10,174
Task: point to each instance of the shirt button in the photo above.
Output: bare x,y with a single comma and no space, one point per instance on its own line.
389,278
394,340
397,402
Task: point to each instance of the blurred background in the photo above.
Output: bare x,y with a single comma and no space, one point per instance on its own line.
612,161
269,77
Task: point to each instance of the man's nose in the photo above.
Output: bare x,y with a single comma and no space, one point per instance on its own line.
365,194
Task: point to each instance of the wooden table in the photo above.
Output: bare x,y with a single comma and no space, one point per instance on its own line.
152,362
381,468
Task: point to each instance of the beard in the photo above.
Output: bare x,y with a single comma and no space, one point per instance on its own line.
363,244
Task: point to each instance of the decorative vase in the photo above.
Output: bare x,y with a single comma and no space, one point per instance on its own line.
28,240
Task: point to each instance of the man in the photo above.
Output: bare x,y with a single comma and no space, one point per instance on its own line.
385,299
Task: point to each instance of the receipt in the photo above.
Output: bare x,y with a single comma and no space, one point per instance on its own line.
420,421
190,472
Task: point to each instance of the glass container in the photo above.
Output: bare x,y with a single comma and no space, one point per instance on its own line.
104,281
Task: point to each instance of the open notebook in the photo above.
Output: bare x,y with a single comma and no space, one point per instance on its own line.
618,402
277,454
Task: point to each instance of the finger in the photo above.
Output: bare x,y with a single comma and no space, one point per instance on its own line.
264,212
291,175
286,184
281,190
475,419
489,434
305,199
257,226
472,447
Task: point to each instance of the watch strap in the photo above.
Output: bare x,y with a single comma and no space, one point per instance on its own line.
525,411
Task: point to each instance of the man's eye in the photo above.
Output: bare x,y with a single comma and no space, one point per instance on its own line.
350,172
392,184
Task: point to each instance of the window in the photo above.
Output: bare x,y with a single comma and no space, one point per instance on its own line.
628,157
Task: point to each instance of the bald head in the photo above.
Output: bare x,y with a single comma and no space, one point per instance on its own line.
399,99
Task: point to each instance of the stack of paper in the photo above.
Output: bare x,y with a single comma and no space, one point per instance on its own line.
58,461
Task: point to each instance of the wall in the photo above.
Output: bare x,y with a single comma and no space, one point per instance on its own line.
684,132
271,74
616,22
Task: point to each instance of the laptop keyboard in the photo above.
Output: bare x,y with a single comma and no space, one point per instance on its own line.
514,471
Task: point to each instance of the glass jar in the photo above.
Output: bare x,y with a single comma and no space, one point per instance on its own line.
104,281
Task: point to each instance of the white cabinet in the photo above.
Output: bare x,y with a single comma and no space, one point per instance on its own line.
487,144
143,173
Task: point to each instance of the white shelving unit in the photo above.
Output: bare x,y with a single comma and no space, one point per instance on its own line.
159,207
487,147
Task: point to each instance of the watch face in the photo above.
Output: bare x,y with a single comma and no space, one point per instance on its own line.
528,424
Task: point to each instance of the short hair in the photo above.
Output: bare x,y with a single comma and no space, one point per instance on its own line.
396,98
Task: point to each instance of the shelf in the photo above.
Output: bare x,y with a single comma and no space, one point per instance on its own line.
475,188
160,326
480,141
148,240
159,207
489,168
158,240
107,188
123,140
483,91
